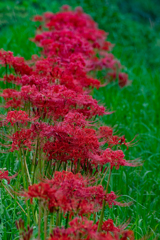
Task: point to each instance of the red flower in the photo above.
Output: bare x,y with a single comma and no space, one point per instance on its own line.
82,228
108,226
4,175
37,18
23,138
17,117
6,57
116,159
107,134
39,191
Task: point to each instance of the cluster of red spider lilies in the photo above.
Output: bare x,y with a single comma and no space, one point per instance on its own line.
65,160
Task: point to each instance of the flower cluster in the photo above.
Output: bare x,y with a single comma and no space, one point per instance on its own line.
71,193
74,37
51,125
4,175
85,229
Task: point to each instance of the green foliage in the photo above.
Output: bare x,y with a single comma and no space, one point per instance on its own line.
136,106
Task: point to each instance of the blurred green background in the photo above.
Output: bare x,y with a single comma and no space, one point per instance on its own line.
134,28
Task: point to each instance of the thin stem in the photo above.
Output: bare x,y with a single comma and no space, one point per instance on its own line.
104,204
40,162
39,221
94,217
57,219
47,168
51,223
34,162
27,171
24,181
29,106
13,198
67,220
109,177
6,72
78,165
71,166
60,218
45,222
104,176
64,166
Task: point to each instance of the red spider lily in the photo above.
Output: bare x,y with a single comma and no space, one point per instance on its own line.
71,140
54,101
21,67
115,158
12,78
77,144
26,233
4,175
55,88
39,191
37,18
6,57
127,234
22,139
71,193
65,8
107,134
122,78
17,117
108,226
18,63
80,35
84,229
12,98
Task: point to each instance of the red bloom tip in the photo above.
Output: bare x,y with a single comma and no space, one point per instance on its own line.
17,116
65,8
37,18
4,175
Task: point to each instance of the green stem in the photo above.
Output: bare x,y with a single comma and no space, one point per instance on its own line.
6,73
104,204
48,167
104,176
45,222
39,221
64,166
40,162
58,165
57,219
51,223
71,166
78,165
34,162
26,167
67,220
22,166
29,106
13,198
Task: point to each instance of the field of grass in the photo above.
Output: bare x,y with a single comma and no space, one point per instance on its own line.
137,46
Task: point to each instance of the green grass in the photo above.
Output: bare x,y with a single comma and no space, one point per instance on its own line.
136,106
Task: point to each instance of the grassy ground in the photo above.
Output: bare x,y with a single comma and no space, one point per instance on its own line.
136,107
